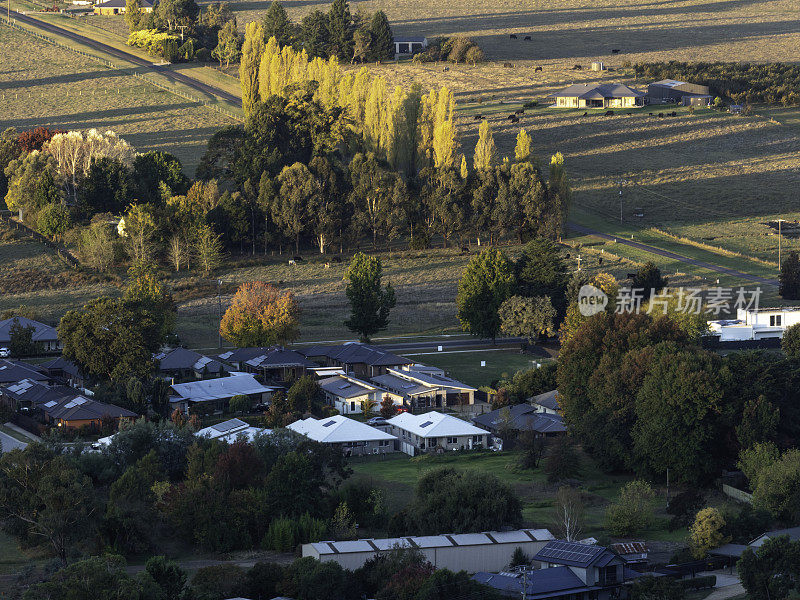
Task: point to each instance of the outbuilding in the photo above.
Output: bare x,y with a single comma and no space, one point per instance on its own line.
679,92
409,45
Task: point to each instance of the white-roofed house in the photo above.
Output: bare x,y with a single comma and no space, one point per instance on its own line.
231,430
348,394
436,432
355,438
471,552
217,392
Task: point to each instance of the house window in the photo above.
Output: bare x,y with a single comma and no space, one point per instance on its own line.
452,440
774,320
352,406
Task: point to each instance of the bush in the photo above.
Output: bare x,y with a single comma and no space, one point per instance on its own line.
154,42
632,512
699,583
53,221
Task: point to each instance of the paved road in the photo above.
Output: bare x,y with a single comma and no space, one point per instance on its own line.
10,443
666,253
174,76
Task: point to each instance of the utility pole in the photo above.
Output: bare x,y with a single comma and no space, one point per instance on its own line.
620,182
219,312
667,487
779,243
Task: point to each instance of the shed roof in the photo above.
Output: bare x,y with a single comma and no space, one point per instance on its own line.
220,388
434,424
338,429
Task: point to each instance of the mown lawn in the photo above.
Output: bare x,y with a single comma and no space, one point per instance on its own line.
466,365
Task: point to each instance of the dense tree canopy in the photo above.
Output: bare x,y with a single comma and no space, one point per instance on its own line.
370,303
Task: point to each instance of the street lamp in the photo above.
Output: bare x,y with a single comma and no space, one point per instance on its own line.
779,242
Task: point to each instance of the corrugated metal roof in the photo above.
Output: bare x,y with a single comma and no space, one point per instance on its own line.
440,425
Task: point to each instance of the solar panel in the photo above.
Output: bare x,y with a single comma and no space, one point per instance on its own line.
571,551
51,404
426,423
227,426
329,423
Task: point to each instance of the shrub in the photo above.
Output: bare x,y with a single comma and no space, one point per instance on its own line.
53,220
632,512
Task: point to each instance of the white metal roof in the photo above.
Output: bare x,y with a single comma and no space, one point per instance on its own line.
434,424
221,387
338,429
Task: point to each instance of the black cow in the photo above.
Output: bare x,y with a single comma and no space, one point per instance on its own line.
527,38
521,111
577,68
537,69
609,113
477,117
513,119
615,51
513,36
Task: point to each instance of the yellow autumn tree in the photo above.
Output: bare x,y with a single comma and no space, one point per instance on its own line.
485,150
522,151
252,49
706,532
261,315
444,132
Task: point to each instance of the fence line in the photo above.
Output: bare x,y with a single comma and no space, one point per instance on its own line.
56,247
108,63
737,494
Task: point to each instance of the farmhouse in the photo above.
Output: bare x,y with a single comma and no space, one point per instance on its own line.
216,393
603,95
409,45
435,432
231,430
348,394
355,438
357,359
755,324
44,336
182,363
117,7
679,92
469,552
424,389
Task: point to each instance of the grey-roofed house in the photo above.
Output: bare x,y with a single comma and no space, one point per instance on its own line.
521,417
80,411
44,336
734,551
117,7
435,432
540,584
420,389
546,402
348,394
182,363
603,95
680,92
12,371
793,533
216,393
360,360
28,394
353,437
469,552
231,431
278,365
594,565
61,369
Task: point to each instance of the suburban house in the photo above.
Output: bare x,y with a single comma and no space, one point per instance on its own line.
231,430
521,417
44,336
355,438
436,432
755,324
422,389
279,365
409,45
27,394
597,567
357,359
546,403
12,371
348,394
602,95
216,393
181,363
117,7
679,92
734,551
469,552
80,411
66,371
793,533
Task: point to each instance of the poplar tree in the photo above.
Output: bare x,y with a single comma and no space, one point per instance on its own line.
522,151
380,31
264,83
559,186
485,150
374,119
444,141
464,169
252,49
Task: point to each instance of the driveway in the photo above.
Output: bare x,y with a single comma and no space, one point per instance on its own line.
9,443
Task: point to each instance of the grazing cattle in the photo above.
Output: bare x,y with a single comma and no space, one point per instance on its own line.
327,265
298,259
527,38
477,117
513,119
651,114
446,69
600,261
660,114
586,114
464,250
577,68
537,69
513,36
521,111
609,113
615,51
674,114
508,65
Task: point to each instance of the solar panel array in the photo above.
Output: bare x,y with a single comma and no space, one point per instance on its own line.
329,423
228,425
76,402
570,551
426,424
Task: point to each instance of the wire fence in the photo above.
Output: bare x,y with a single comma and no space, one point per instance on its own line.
186,96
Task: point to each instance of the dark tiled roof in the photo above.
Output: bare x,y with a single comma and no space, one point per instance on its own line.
574,554
179,358
121,4
357,353
41,333
35,392
548,400
603,90
279,357
522,417
541,583
12,371
80,408
61,364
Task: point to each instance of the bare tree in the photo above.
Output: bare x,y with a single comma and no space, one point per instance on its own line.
177,251
207,249
97,247
569,514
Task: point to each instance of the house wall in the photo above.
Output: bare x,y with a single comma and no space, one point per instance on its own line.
420,444
371,447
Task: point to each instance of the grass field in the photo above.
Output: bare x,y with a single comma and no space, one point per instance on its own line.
43,85
466,365
398,476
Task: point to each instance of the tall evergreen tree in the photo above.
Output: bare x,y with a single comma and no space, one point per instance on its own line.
276,24
382,46
340,29
315,33
252,49
370,303
485,151
790,278
487,282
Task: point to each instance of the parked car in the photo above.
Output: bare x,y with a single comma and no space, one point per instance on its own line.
5,352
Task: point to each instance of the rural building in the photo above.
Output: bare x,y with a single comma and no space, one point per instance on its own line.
521,417
603,95
409,45
679,92
231,430
755,324
216,393
117,7
469,552
12,371
80,411
182,363
546,403
435,432
424,389
44,336
356,359
27,394
355,438
734,551
348,394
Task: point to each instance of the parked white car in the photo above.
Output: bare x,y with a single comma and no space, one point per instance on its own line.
5,352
